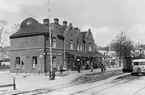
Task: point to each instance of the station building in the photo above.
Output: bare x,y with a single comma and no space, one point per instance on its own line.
30,46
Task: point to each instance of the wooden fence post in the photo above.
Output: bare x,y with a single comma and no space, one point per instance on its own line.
14,84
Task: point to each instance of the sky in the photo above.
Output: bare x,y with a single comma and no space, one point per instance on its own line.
105,18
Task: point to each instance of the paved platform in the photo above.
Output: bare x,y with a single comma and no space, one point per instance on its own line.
26,82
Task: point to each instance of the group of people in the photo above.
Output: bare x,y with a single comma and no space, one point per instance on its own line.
102,67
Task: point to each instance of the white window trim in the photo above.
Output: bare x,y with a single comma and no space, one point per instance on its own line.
33,63
71,44
18,65
54,42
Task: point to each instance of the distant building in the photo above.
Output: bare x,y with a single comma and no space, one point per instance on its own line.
30,46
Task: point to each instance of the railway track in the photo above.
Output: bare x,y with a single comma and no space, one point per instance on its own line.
55,87
105,86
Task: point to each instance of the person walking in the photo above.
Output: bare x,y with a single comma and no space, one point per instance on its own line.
61,69
101,66
79,67
92,66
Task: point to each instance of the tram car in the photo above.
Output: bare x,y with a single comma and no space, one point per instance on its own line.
138,67
127,64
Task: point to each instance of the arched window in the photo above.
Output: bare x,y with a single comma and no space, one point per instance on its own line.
90,47
34,61
17,62
71,44
54,42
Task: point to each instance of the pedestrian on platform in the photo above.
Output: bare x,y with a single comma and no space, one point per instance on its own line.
92,66
79,67
61,69
102,68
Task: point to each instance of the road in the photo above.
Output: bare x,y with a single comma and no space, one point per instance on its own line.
130,85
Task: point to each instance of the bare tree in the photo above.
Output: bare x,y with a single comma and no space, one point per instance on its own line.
3,30
15,28
122,45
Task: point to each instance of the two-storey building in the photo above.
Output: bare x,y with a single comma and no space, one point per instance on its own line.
30,46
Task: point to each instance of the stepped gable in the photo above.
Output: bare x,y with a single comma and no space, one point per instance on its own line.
30,27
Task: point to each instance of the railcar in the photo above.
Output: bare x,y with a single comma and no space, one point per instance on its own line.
138,66
127,64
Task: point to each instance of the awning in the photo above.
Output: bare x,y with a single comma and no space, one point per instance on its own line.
97,54
77,53
86,54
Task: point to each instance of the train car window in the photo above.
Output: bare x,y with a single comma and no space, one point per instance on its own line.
142,63
136,63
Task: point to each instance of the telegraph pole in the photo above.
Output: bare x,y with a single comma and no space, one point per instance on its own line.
51,74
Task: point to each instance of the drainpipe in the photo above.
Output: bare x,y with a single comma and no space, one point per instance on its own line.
45,54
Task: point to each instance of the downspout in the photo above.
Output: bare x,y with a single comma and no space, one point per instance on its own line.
45,54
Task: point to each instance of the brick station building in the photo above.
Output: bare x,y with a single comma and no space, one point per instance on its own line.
30,52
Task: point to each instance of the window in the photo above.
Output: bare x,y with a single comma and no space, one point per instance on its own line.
54,62
142,63
136,63
34,61
54,42
71,44
81,47
90,47
17,62
78,46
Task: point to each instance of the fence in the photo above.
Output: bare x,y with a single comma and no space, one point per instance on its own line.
8,85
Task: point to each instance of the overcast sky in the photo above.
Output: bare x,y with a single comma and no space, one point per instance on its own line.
106,18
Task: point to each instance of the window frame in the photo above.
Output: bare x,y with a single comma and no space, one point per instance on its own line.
54,42
18,59
34,59
71,44
90,47
81,46
78,46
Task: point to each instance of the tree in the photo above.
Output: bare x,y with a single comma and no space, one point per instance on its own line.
122,45
15,28
3,31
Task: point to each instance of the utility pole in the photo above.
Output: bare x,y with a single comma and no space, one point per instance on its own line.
51,74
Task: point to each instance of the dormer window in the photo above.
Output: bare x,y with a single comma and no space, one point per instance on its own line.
29,22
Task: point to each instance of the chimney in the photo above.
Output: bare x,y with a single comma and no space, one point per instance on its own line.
76,29
56,21
70,26
89,30
64,23
46,21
